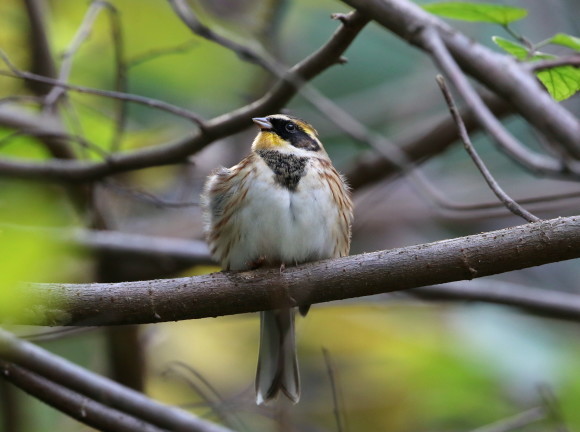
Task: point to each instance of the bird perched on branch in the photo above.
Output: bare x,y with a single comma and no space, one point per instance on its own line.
282,205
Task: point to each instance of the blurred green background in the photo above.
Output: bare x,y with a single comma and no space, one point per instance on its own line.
400,364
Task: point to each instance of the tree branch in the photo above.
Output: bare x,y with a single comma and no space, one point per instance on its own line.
541,302
434,44
421,145
79,407
42,62
500,73
511,204
104,390
229,293
211,130
537,66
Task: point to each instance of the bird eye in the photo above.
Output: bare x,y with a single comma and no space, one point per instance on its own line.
290,127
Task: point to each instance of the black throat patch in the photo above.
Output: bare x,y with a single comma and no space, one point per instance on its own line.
288,169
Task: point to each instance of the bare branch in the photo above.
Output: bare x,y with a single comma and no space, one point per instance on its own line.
194,252
540,302
153,54
513,206
79,407
360,275
212,130
420,146
142,100
432,42
501,73
537,66
43,63
184,12
551,304
82,34
336,399
222,408
141,195
104,390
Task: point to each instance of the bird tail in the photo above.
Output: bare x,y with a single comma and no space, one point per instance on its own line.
277,363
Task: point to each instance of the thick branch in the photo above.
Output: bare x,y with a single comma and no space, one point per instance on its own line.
421,145
360,275
70,376
79,407
42,62
499,72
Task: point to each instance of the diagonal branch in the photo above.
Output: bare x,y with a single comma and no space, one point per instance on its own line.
423,144
79,407
511,204
500,73
211,130
359,275
508,143
75,378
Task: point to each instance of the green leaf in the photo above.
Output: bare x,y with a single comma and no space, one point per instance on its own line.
562,82
518,51
478,12
566,40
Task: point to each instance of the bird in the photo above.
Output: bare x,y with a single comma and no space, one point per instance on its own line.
284,204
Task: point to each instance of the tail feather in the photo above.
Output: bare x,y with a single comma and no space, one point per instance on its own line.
277,362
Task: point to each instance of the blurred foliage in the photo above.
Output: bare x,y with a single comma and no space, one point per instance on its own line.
27,255
398,367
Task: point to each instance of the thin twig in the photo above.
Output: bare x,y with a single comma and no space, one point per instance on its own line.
154,54
537,66
81,35
132,192
184,12
552,406
337,401
483,209
510,204
142,100
121,78
217,402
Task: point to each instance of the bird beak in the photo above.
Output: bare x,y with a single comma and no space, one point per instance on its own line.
263,123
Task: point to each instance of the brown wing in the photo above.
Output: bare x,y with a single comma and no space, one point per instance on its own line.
341,194
224,194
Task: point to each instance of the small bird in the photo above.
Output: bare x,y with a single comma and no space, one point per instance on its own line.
284,204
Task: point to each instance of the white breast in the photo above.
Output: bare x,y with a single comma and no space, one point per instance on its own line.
283,226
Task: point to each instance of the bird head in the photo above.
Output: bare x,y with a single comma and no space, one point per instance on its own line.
282,132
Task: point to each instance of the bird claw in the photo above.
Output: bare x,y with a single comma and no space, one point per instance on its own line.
257,263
